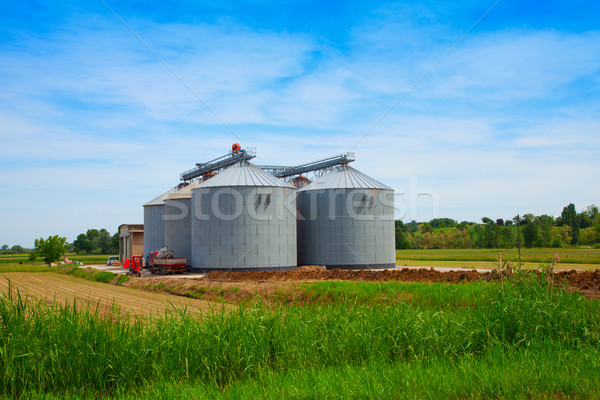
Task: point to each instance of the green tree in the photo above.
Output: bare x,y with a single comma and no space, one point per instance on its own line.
488,234
491,236
545,223
51,249
487,220
565,235
570,218
507,237
463,225
530,233
114,243
402,239
93,235
596,223
412,226
589,236
82,244
584,220
17,249
442,223
104,241
592,211
425,227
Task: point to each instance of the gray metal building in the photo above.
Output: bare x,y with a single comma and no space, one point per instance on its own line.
154,237
346,220
178,221
244,219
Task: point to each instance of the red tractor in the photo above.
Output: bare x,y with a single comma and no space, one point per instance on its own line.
135,265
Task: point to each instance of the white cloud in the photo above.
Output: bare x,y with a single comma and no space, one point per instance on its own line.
94,125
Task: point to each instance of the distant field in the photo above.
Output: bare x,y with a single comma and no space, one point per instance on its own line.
487,258
24,258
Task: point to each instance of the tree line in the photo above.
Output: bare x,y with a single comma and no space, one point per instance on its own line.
570,229
96,241
16,249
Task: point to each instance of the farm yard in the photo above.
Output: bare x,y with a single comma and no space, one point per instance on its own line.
307,333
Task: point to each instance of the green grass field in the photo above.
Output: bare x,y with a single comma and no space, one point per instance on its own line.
487,258
24,259
521,339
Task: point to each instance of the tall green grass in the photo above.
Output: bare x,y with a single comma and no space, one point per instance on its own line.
438,295
314,351
506,374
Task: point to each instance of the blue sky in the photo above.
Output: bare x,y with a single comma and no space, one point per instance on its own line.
93,125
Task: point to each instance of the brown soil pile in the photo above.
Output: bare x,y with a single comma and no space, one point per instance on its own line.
311,268
313,274
587,282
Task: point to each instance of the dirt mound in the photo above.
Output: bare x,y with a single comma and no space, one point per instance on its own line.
587,282
314,274
311,268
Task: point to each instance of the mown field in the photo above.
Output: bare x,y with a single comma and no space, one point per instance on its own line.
56,289
488,258
521,338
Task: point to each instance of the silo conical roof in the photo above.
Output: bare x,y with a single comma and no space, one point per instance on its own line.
185,193
160,200
345,177
244,174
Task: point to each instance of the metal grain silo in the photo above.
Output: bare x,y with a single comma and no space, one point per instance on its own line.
154,233
346,220
244,219
178,221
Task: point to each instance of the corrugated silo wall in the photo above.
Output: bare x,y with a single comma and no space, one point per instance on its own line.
244,228
178,227
346,228
154,233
